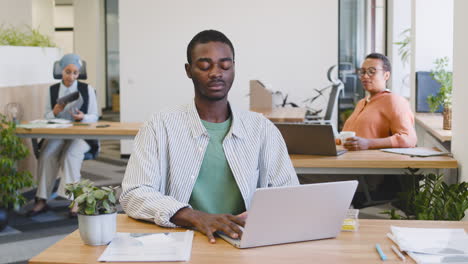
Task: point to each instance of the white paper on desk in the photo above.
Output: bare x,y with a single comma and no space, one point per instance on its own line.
422,258
437,241
173,246
58,125
418,152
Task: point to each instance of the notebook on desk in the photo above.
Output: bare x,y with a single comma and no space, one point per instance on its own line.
309,139
295,213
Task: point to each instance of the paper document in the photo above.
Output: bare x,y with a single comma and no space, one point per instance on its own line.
432,245
173,246
417,152
43,123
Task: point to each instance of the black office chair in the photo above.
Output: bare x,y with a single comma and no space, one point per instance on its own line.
336,88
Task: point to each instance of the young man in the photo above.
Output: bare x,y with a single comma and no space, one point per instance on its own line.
198,165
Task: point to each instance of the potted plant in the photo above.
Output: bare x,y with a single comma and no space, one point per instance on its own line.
444,96
97,213
12,180
432,200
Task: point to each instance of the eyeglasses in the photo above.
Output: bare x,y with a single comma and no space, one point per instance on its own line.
370,71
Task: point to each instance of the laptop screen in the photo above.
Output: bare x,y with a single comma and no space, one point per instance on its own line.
308,139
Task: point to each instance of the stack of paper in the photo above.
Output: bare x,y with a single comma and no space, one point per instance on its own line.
432,245
417,152
173,246
47,123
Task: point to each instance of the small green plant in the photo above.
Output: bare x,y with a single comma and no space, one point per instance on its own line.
26,36
434,200
444,77
405,46
92,200
11,179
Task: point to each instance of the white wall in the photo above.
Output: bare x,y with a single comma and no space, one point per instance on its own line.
43,17
288,44
37,14
89,40
460,88
17,13
64,17
26,65
432,36
399,19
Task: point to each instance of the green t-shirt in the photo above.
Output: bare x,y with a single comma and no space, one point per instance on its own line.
216,190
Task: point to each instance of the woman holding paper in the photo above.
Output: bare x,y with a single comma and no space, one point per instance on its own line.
66,155
382,119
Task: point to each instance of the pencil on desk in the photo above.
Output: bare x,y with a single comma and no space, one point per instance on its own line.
379,250
398,253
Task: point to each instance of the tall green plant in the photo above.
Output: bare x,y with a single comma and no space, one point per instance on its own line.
435,200
444,78
23,36
405,46
11,179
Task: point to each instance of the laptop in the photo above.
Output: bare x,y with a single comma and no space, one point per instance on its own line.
289,214
309,139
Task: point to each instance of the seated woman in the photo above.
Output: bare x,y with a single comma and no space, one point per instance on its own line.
63,154
382,119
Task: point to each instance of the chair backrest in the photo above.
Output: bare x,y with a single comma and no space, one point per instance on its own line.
57,71
333,100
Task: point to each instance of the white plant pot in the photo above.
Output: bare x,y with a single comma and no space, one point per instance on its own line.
97,230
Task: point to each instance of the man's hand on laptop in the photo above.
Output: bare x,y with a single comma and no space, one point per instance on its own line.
208,224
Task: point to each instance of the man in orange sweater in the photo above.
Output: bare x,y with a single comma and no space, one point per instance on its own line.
382,119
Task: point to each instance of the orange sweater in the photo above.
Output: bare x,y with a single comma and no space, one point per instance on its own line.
386,115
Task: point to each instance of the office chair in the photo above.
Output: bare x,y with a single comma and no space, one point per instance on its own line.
57,73
336,88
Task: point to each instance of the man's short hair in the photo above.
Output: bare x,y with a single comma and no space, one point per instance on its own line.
205,37
387,66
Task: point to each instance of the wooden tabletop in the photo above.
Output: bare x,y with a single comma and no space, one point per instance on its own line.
351,159
114,128
284,114
348,247
433,123
372,159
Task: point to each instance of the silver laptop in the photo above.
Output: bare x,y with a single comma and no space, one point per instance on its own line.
309,139
281,215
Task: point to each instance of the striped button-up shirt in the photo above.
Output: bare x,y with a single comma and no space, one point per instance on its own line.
169,151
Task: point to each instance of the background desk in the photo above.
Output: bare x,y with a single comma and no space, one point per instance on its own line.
351,162
368,162
284,114
348,247
116,130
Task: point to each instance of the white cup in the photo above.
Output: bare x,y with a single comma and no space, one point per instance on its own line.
346,134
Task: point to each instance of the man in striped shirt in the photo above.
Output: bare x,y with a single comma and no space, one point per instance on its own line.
198,165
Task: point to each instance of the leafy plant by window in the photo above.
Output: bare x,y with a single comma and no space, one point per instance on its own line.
444,77
11,179
434,200
92,200
405,45
23,36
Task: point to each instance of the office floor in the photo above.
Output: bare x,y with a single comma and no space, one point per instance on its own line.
26,237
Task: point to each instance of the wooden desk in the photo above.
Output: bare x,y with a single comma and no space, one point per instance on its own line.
432,122
368,162
348,247
284,114
351,162
116,130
